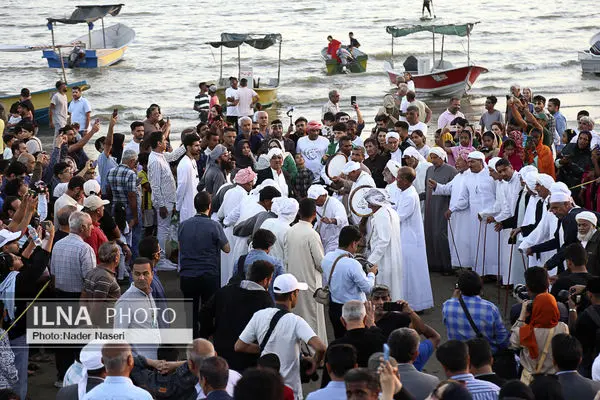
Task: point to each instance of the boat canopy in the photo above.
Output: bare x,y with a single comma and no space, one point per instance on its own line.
447,29
257,40
87,14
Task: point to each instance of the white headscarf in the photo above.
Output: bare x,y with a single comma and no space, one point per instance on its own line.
275,151
91,358
412,152
350,167
530,180
545,180
316,191
587,216
438,151
394,167
392,134
492,162
378,197
286,208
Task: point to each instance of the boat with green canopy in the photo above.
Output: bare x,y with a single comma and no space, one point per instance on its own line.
443,79
265,88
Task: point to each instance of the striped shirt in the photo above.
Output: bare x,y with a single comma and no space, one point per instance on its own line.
480,390
122,180
71,261
162,183
100,283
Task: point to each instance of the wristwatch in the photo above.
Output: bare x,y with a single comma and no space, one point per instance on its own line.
572,310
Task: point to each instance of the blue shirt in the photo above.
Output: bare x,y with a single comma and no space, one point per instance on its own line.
426,350
485,315
256,255
561,122
105,164
479,389
200,242
348,281
117,387
333,391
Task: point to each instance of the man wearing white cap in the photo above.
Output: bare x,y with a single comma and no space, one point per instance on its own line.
392,139
275,172
92,372
331,217
562,206
383,237
354,173
289,331
477,194
540,227
589,236
435,225
415,274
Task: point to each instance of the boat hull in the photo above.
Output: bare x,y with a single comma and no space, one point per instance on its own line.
118,38
333,67
41,100
266,96
590,63
446,83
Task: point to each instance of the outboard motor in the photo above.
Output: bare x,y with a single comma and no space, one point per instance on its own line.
595,49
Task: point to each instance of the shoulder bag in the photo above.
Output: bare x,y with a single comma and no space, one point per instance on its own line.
323,295
278,315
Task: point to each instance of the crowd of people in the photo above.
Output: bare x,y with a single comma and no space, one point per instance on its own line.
276,233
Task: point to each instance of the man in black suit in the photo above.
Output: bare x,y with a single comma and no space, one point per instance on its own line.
567,353
589,236
276,172
91,359
566,229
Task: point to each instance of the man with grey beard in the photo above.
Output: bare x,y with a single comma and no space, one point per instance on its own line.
589,236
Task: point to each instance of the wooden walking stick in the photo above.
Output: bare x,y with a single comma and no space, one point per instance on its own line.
508,285
484,242
478,238
454,243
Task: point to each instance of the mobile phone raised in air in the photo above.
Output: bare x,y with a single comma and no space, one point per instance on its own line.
386,352
352,100
392,306
115,112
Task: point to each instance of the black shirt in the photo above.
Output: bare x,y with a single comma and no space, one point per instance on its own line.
392,321
585,332
376,165
567,279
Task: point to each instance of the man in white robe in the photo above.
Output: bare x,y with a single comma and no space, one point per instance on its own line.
415,274
244,181
477,194
390,172
248,209
331,217
187,178
359,178
286,209
392,139
383,236
305,254
412,158
459,239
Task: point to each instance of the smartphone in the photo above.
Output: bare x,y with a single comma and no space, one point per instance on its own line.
392,306
507,96
32,193
115,112
168,118
386,352
352,100
97,121
94,163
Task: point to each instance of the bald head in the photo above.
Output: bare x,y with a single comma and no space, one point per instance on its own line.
199,350
407,173
117,359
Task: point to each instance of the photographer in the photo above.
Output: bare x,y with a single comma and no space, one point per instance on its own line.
576,273
536,282
585,325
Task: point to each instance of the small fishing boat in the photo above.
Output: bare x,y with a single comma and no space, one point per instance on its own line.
590,59
97,48
266,89
443,79
41,100
334,67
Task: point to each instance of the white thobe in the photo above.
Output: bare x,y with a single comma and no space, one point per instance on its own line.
187,187
479,191
279,227
460,239
419,182
364,179
330,233
416,285
386,253
232,199
543,232
397,156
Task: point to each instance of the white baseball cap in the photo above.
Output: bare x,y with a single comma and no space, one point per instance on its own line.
91,187
94,202
286,283
7,236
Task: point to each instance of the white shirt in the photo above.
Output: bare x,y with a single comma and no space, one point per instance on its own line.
132,145
79,109
244,107
421,126
446,117
330,107
59,114
187,187
117,388
280,180
284,341
313,151
232,111
330,233
64,200
397,156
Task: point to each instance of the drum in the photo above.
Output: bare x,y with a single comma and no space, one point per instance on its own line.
357,202
335,166
366,265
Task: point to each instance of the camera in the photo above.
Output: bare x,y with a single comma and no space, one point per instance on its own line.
564,295
304,377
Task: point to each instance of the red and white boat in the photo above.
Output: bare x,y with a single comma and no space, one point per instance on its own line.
444,79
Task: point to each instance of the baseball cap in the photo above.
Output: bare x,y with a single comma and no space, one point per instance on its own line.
7,236
91,187
286,283
94,202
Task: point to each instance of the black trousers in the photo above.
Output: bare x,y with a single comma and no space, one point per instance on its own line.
199,289
65,356
335,313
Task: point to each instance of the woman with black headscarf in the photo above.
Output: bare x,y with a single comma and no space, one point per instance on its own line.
574,160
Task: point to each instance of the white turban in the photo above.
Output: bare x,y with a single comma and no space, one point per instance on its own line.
438,151
476,155
530,180
412,152
378,197
264,184
394,167
350,167
91,359
316,191
285,208
392,134
527,170
545,180
559,193
491,163
275,151
587,216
